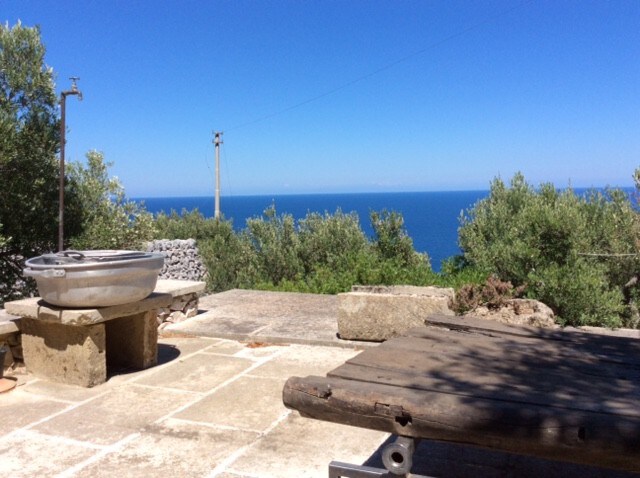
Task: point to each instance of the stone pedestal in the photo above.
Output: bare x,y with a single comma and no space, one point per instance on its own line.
77,345
133,341
65,353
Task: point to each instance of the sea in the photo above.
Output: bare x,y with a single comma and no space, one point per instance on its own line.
431,218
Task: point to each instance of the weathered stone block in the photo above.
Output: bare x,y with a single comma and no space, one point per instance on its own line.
66,353
377,313
133,341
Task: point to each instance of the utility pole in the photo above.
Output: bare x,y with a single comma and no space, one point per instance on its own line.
63,97
217,141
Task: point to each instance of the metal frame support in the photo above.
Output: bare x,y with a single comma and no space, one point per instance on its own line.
397,458
338,469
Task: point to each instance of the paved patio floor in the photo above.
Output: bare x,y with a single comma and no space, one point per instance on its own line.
212,407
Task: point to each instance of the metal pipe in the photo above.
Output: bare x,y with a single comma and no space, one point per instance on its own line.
397,457
63,97
217,141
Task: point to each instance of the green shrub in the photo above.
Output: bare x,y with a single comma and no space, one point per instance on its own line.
574,252
330,241
109,220
320,253
186,225
230,261
228,256
456,272
391,240
579,293
329,253
276,244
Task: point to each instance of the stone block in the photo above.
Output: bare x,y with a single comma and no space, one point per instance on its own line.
132,341
377,313
70,354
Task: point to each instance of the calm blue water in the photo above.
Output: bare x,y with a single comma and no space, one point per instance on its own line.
431,218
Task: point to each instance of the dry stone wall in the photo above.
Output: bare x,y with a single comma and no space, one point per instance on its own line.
183,307
182,259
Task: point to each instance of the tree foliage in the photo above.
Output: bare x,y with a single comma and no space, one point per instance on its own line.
108,219
227,255
573,252
320,253
29,138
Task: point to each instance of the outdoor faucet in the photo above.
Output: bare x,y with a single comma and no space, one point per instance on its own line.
74,88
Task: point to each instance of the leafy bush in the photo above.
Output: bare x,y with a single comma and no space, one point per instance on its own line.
320,253
109,221
579,293
330,241
391,239
335,254
276,244
229,259
186,225
575,252
456,272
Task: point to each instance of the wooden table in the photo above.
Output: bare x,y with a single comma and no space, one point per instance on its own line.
567,396
76,346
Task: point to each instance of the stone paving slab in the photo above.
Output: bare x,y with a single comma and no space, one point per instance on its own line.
8,323
174,449
179,287
272,317
29,454
111,417
210,408
300,447
197,373
249,403
36,308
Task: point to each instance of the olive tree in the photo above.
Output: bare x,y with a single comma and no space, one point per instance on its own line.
29,139
108,219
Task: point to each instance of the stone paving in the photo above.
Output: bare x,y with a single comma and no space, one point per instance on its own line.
211,408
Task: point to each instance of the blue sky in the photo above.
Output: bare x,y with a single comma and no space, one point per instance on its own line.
347,96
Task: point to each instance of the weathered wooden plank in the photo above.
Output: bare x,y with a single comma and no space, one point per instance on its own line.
618,345
527,388
491,326
452,343
549,432
444,341
501,369
448,347
549,393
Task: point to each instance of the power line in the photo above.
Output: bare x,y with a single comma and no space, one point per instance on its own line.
386,67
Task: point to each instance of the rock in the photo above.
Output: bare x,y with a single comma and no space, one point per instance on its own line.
176,317
518,312
191,311
179,303
377,313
